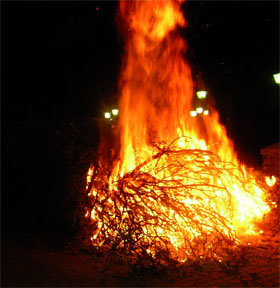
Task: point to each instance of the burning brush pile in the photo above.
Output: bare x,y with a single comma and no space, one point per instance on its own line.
175,186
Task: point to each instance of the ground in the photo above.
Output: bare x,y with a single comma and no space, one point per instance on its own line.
35,262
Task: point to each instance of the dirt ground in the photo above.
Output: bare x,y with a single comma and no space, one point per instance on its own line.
36,263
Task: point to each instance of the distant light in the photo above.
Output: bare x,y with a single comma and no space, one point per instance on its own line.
193,113
115,112
201,94
206,112
199,110
107,115
277,78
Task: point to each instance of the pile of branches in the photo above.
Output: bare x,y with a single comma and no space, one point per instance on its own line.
174,205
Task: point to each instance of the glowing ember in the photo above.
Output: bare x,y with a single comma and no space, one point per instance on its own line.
89,175
270,181
177,184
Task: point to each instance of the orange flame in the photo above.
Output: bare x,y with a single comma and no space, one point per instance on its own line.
157,87
156,93
270,181
89,175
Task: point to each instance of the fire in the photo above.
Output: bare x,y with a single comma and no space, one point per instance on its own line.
89,175
270,181
177,183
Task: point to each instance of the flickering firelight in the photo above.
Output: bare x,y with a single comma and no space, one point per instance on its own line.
165,186
270,181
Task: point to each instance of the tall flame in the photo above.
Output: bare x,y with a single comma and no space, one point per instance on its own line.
157,87
157,91
156,94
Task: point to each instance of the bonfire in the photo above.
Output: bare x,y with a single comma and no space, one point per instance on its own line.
174,184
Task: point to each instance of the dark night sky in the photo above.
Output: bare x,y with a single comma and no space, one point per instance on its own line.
60,62
235,45
69,53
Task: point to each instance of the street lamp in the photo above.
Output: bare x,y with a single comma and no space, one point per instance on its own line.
107,115
206,112
201,94
193,113
115,112
277,78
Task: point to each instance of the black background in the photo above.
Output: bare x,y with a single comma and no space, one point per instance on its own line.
60,64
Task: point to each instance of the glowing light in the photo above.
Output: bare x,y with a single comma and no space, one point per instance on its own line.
270,181
89,175
107,115
206,112
193,113
115,112
201,94
169,178
277,78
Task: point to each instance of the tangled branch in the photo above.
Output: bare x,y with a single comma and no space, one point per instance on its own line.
178,201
